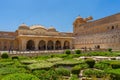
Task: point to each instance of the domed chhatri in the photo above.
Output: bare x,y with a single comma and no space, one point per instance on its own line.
52,29
37,26
79,20
23,26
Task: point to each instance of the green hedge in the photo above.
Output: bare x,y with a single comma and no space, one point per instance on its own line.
10,70
92,72
68,52
54,59
114,73
41,65
110,49
101,66
76,69
90,62
4,64
28,61
74,77
78,51
62,71
20,76
46,75
4,55
69,62
115,65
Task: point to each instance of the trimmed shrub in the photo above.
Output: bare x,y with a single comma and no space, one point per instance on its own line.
84,66
76,69
62,71
110,49
46,75
114,74
74,77
4,56
20,76
78,51
92,72
115,65
68,62
41,74
11,70
101,66
90,62
52,56
28,61
3,64
15,57
55,59
68,52
41,65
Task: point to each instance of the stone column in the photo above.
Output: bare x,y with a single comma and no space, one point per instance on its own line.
62,44
36,44
54,45
71,44
24,42
46,45
19,46
2,45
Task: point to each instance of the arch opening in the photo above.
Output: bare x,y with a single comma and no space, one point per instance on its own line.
30,45
58,45
42,45
66,45
50,45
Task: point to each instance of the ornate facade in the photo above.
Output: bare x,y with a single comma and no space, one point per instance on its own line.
35,37
103,33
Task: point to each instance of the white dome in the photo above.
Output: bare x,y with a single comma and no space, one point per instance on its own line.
23,26
51,29
37,26
79,17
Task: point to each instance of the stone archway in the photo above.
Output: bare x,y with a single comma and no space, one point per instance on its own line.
30,45
42,45
66,45
50,45
58,45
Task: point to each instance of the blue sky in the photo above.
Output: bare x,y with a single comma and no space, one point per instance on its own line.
57,13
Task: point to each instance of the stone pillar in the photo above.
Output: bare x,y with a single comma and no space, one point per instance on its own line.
2,45
19,46
24,42
71,45
46,45
62,44
54,45
36,44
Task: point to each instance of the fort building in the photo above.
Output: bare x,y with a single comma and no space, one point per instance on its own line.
35,37
87,33
101,34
